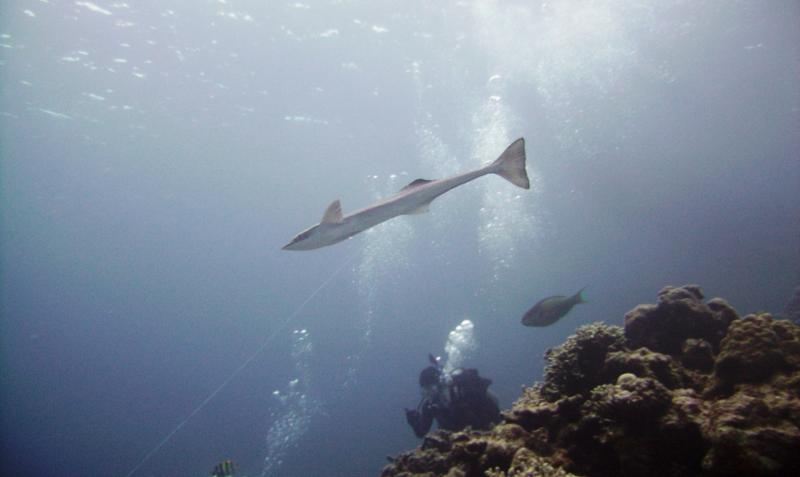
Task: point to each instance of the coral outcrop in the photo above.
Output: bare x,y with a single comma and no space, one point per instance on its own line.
686,388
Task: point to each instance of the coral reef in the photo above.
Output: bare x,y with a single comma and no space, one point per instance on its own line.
686,388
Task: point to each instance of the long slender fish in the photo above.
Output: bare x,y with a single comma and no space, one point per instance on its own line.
411,199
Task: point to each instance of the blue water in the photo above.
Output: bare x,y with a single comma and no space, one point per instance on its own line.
155,156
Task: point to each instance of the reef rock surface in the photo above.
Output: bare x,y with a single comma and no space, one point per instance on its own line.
686,388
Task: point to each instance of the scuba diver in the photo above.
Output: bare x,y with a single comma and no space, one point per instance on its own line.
455,400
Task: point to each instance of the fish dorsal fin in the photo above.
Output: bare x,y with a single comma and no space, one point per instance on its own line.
416,183
333,214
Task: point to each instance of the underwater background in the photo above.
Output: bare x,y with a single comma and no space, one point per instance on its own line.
156,155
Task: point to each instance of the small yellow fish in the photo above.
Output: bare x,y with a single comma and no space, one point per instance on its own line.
551,309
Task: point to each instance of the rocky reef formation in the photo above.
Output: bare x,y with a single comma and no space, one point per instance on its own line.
686,388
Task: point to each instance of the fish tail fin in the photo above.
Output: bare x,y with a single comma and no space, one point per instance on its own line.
511,164
579,296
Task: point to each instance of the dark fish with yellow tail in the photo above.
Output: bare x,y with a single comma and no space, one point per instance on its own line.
551,309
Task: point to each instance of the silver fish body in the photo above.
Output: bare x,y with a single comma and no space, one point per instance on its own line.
411,199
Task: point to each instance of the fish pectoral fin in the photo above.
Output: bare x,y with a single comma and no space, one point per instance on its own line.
416,183
333,214
421,209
